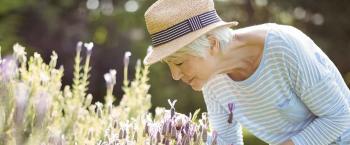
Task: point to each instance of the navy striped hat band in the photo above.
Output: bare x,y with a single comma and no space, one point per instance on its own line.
185,27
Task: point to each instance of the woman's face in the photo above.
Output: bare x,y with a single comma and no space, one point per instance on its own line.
192,70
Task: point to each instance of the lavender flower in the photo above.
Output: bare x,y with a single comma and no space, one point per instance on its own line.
231,107
172,109
159,139
57,139
42,106
89,47
135,136
110,78
195,136
173,132
214,136
127,58
204,134
169,126
126,64
167,142
90,133
115,123
164,128
179,139
121,134
146,129
19,52
79,46
8,68
22,96
124,133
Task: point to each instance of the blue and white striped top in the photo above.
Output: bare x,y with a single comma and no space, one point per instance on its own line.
296,93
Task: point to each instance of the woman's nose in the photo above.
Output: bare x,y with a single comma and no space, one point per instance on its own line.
176,73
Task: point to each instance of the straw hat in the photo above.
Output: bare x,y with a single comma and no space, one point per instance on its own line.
174,24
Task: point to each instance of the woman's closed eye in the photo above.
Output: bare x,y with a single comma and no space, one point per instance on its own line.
178,64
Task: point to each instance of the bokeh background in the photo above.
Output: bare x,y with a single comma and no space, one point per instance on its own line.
116,26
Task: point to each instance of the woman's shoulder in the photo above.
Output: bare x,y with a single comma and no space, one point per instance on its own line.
252,34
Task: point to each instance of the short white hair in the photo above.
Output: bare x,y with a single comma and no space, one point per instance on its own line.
201,45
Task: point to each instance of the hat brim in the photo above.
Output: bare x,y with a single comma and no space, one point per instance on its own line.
162,51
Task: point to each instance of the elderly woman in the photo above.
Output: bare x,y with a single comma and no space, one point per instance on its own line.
272,79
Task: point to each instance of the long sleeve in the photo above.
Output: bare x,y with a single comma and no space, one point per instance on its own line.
313,79
228,133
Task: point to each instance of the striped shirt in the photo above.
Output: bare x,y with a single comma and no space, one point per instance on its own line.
295,93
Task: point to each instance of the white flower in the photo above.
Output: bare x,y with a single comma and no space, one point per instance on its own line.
149,49
126,58
110,78
44,77
89,46
79,45
19,50
113,72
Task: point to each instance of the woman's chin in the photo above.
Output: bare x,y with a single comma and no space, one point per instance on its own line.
196,86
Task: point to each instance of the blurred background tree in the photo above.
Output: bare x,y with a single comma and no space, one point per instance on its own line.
117,26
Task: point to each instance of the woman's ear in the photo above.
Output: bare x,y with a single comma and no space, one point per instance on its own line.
214,45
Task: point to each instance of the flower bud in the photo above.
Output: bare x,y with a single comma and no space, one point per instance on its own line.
127,58
89,47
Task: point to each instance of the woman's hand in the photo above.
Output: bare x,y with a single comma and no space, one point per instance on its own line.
288,142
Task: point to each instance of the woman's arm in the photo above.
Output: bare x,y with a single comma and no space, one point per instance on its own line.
318,87
288,142
228,133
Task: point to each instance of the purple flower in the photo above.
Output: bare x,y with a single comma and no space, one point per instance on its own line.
231,107
124,133
159,139
173,132
187,127
115,123
21,96
164,128
204,134
42,106
214,135
8,68
146,130
167,142
172,109
195,136
179,139
121,134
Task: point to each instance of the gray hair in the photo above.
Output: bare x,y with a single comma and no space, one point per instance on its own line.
201,45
